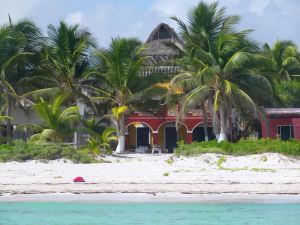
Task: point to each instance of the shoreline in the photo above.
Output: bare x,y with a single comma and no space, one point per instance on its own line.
170,197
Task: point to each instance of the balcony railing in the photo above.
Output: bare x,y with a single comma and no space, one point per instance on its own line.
165,70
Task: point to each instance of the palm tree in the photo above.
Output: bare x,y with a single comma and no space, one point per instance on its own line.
20,44
56,122
222,63
120,65
67,61
101,142
283,59
93,126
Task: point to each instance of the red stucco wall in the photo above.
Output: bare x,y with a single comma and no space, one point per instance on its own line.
296,124
155,122
269,126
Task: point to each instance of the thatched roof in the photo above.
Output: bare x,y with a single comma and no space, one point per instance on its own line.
163,31
283,111
163,41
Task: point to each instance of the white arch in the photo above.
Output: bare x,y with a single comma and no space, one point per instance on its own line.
171,122
141,123
202,125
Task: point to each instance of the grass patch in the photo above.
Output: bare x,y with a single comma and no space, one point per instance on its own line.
220,162
166,174
263,170
170,161
243,147
264,158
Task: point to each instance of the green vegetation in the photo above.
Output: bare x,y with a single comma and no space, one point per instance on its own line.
56,120
220,162
170,161
100,143
243,147
264,158
21,151
288,93
166,174
263,170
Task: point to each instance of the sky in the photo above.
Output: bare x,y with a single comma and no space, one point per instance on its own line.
270,19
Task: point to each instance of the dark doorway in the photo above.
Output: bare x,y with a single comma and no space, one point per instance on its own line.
285,132
142,136
257,128
171,139
198,134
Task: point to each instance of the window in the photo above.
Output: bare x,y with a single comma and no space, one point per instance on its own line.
162,33
285,132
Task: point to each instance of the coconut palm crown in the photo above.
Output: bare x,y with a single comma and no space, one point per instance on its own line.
222,67
66,61
283,60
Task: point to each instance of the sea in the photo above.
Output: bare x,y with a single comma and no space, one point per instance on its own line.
96,213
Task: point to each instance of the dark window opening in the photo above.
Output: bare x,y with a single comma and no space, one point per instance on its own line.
198,134
162,33
285,132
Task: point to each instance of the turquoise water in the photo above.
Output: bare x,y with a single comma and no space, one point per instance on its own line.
38,213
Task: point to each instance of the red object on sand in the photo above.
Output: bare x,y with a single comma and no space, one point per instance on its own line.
78,179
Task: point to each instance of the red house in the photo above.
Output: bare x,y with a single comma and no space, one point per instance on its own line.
281,122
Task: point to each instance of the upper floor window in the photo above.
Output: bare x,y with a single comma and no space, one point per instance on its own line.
162,33
285,132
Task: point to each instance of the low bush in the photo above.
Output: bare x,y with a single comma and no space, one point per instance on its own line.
22,151
243,147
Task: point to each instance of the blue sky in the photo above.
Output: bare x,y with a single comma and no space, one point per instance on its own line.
270,19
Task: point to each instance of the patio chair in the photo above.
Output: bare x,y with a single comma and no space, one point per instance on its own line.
156,149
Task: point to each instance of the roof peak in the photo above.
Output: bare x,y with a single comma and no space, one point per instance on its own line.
163,32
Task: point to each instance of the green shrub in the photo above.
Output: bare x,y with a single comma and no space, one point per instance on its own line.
243,147
22,151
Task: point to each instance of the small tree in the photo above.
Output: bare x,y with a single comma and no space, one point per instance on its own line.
56,120
100,143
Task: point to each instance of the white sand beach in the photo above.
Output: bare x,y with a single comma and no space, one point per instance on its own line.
156,175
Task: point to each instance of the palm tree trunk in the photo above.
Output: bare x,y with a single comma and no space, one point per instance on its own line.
287,76
229,123
205,121
8,124
222,136
121,134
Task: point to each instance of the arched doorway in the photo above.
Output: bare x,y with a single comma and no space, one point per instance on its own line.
199,134
138,135
169,135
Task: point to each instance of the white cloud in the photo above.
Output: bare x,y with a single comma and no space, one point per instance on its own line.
17,8
75,18
173,7
258,6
